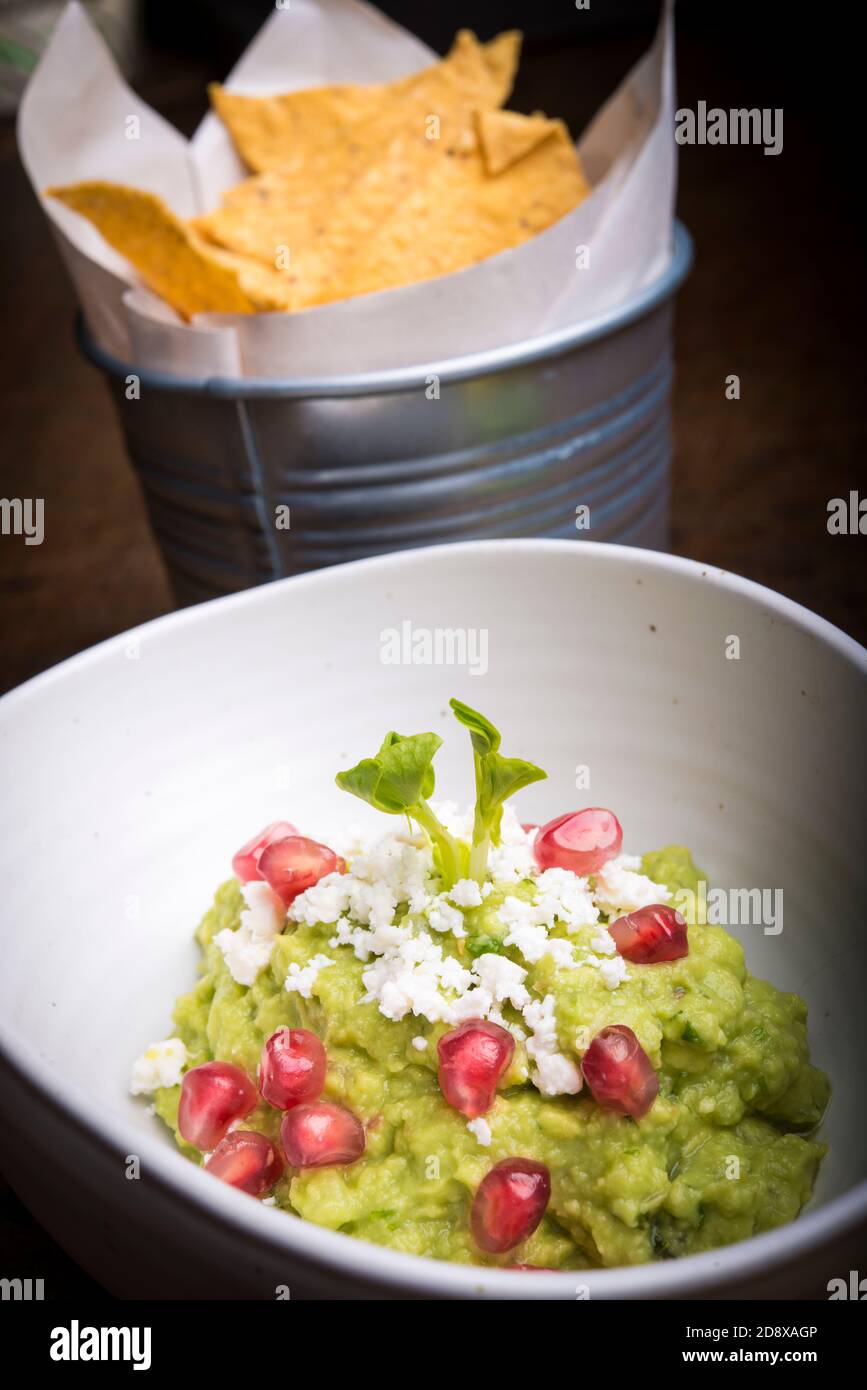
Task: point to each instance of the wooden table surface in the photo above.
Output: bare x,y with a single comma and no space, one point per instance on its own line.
776,297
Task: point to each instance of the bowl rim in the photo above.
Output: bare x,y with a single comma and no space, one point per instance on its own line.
487,361
414,1275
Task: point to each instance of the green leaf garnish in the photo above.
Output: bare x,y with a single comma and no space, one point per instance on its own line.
497,778
398,781
485,738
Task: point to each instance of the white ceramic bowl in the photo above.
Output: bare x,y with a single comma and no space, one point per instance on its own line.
133,771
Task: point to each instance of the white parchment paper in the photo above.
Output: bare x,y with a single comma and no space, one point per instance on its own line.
74,124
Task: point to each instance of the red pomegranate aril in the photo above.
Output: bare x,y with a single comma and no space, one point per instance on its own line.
212,1096
318,1134
245,864
472,1058
510,1202
650,935
248,1160
619,1073
582,841
530,829
294,864
292,1069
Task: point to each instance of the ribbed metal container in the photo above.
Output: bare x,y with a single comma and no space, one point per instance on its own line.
517,439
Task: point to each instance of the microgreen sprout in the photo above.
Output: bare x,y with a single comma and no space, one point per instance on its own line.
400,780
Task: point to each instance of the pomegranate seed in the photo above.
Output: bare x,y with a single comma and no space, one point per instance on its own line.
245,864
510,1202
292,1069
581,841
248,1160
529,829
618,1072
321,1133
212,1096
294,864
650,935
472,1058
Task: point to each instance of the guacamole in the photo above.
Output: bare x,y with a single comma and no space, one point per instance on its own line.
381,963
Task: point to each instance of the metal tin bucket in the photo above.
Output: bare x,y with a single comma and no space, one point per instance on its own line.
502,443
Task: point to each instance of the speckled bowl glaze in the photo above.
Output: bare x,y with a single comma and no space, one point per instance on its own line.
132,772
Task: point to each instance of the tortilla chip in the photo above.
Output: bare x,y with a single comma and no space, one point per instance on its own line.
484,71
267,288
269,132
454,217
343,125
174,263
361,189
506,136
278,213
423,211
360,148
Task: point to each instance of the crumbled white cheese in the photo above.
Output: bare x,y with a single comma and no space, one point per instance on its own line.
302,978
458,822
603,943
561,897
511,863
248,949
557,1075
481,1129
369,943
502,978
613,971
565,897
161,1064
530,936
326,901
442,917
540,1019
476,1003
420,1043
554,1074
620,888
398,869
466,893
523,932
513,859
412,978
512,831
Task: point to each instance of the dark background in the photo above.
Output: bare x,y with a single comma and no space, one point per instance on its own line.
776,296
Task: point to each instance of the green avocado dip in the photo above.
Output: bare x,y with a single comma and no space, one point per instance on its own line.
462,979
